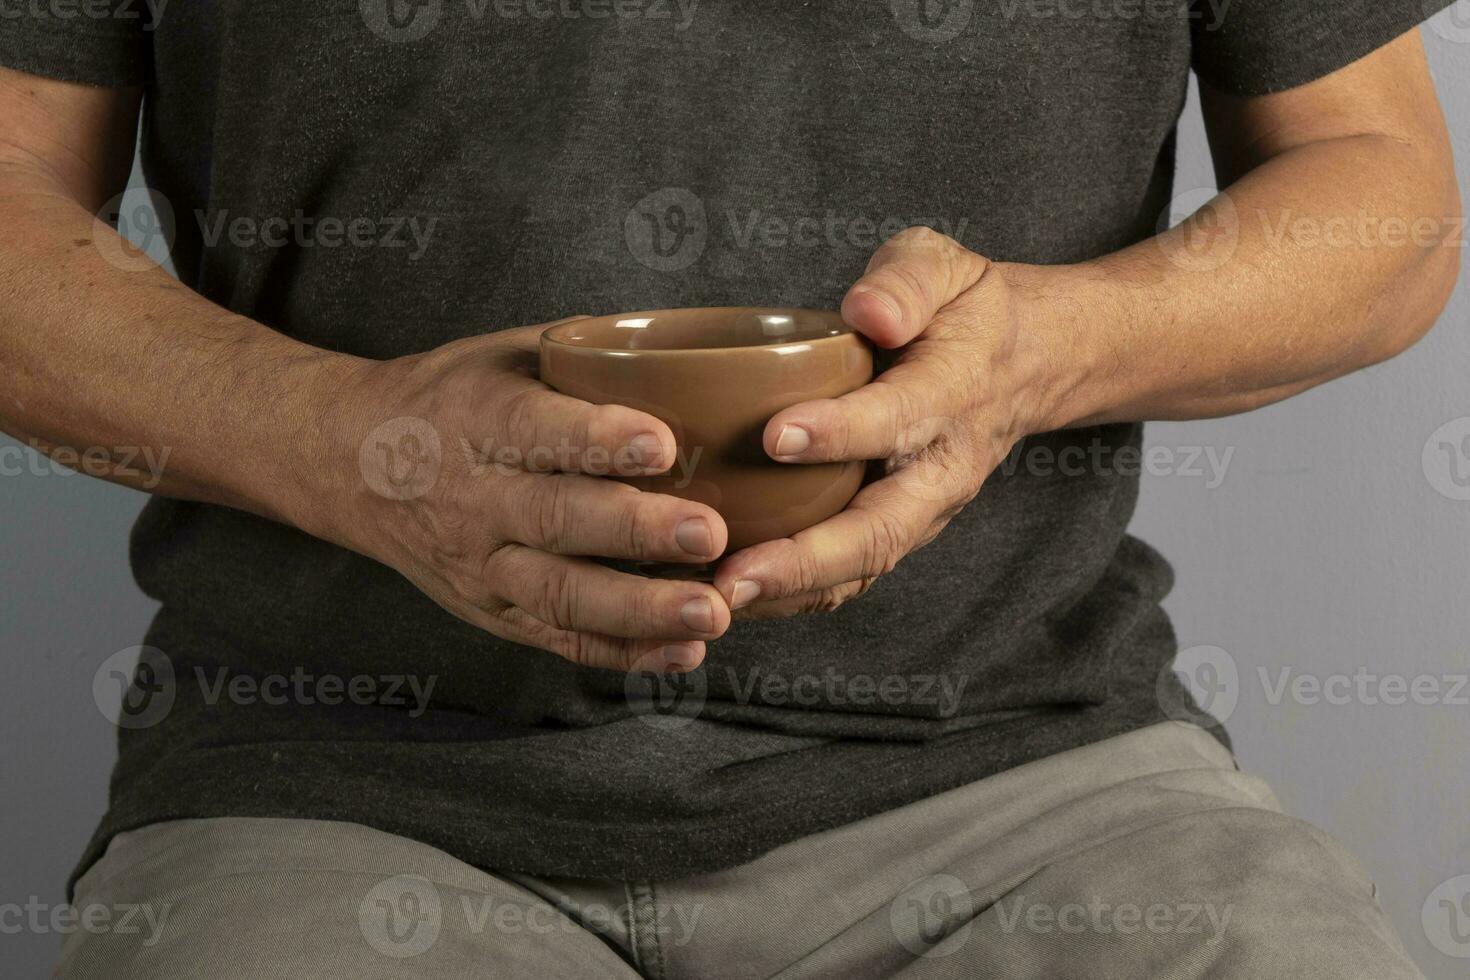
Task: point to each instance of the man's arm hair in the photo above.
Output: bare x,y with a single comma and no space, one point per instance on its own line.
1335,245
101,355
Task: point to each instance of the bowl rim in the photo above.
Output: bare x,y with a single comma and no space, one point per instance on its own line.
551,334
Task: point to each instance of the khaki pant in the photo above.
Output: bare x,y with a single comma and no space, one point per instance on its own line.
1145,856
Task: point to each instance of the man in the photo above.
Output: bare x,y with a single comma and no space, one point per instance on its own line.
968,771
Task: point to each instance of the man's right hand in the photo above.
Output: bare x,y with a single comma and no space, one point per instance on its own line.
487,490
496,544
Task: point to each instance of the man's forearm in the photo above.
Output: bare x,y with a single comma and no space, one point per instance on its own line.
1327,258
98,358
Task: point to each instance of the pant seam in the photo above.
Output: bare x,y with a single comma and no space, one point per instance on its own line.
643,930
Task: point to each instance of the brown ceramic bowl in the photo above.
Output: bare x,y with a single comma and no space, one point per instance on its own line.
716,376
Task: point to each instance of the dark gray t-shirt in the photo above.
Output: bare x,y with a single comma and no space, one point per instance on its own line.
384,177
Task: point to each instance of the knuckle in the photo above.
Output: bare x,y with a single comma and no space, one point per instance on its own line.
920,235
632,530
496,567
638,608
579,648
884,542
518,419
908,282
556,597
828,600
550,515
806,572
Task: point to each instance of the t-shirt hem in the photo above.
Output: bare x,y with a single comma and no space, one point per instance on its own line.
683,846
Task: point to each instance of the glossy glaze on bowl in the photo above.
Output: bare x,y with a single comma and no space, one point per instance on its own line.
716,376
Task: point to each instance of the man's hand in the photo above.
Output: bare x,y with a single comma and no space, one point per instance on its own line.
963,389
483,486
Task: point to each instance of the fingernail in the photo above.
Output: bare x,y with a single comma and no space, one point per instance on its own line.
679,658
792,440
698,615
693,535
646,450
744,593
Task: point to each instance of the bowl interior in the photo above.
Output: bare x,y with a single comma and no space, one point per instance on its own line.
699,329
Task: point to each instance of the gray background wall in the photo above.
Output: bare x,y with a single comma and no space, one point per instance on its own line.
1334,545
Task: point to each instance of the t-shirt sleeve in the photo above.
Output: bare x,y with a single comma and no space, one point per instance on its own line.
95,42
1253,47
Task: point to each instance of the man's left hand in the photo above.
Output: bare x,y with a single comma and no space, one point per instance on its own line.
959,395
